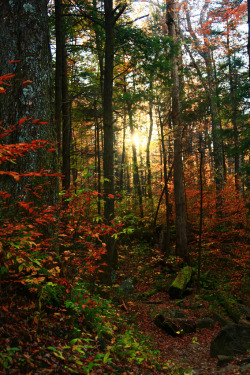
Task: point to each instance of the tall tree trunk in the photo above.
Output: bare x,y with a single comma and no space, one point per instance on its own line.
121,181
108,155
136,177
248,21
59,72
149,175
66,132
111,15
24,36
234,111
180,207
166,178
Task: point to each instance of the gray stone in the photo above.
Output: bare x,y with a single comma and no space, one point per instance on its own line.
205,323
232,339
224,359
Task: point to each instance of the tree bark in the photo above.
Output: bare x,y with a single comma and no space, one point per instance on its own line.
108,156
180,207
136,177
24,36
59,72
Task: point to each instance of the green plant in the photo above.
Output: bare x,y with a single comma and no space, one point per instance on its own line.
6,358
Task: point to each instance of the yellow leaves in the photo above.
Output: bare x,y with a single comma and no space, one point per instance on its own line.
55,271
37,280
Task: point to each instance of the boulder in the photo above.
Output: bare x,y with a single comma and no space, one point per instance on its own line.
175,326
232,339
180,283
205,323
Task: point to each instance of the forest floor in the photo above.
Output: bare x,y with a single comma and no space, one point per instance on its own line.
39,338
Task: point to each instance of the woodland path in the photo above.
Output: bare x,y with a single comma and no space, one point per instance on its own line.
190,352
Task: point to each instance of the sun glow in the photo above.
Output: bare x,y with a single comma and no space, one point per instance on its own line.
136,140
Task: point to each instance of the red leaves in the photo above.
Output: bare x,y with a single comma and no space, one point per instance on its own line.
27,82
22,120
111,196
14,61
15,175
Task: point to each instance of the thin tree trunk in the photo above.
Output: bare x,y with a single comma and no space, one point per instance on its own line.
149,175
201,213
166,178
234,109
136,178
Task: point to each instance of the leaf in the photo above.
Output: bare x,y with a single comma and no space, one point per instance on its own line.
111,196
22,120
14,61
27,82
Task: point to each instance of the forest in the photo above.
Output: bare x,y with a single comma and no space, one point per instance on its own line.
124,187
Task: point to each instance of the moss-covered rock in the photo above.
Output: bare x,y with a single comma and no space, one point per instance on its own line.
180,283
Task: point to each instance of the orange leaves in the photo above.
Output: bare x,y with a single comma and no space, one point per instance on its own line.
15,175
111,196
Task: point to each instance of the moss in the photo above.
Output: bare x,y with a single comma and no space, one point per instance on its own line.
181,281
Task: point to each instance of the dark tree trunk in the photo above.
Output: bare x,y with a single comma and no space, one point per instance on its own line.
180,207
111,15
59,72
234,116
108,155
24,36
149,176
66,131
248,44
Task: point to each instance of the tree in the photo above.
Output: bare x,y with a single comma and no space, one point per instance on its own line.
205,51
248,45
24,39
180,207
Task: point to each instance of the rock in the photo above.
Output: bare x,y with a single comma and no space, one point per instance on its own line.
176,314
175,326
223,360
220,319
180,283
205,323
127,287
232,339
226,370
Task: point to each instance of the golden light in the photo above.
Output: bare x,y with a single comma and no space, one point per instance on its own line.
136,140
